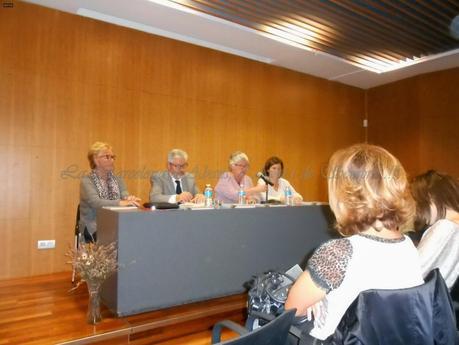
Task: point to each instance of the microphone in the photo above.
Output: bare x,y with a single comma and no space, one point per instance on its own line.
265,178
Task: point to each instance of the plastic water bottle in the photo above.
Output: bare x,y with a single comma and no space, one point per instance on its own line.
208,194
241,195
288,196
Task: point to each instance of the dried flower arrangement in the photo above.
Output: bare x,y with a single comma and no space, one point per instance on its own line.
94,263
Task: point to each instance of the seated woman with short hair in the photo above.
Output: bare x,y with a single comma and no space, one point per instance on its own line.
100,188
437,209
369,195
229,184
274,169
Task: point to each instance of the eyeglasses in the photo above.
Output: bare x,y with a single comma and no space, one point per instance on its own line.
243,166
179,166
107,157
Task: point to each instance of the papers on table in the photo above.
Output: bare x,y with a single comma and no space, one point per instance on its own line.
309,203
193,206
245,206
120,208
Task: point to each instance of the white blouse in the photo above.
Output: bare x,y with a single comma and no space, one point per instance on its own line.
278,194
439,247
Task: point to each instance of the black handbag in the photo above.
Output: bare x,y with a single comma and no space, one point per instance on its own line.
269,292
266,300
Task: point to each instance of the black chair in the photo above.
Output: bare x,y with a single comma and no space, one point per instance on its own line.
455,298
420,315
76,243
273,333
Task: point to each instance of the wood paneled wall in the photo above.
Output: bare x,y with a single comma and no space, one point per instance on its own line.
417,119
67,81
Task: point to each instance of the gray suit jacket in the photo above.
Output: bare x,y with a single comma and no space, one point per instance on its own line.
162,186
90,202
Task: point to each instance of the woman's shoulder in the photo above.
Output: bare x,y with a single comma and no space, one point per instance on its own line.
285,183
86,179
336,245
334,250
445,224
329,263
442,228
224,178
225,175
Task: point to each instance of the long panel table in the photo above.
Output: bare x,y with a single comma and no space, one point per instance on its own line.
172,257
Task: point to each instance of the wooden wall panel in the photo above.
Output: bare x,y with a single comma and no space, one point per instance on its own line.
439,113
417,120
67,81
393,121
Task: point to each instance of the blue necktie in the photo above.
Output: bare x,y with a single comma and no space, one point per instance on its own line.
178,188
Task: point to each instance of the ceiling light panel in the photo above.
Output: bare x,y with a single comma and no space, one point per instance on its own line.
376,35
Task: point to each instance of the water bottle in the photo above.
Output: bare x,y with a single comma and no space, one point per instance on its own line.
241,195
208,193
288,196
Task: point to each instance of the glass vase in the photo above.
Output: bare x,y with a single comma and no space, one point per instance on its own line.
93,316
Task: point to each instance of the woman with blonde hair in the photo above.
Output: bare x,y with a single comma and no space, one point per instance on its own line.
369,195
101,188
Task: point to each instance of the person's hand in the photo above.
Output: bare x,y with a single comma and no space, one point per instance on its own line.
199,199
319,310
133,202
132,198
184,197
297,200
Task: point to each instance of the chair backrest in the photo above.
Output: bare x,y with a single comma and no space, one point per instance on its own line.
455,291
76,243
419,315
273,333
455,298
77,221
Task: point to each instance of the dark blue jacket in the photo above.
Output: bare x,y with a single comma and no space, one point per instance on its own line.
421,315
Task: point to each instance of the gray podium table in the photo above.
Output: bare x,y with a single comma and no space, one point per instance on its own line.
173,257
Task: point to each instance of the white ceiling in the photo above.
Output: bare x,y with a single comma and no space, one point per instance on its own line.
215,33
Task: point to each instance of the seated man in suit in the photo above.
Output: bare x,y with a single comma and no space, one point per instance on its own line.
175,185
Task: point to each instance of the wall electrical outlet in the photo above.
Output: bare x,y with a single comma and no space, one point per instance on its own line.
46,244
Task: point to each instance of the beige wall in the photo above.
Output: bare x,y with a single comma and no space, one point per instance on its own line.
418,120
67,81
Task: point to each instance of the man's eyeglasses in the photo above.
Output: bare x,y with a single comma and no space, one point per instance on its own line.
107,157
179,166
